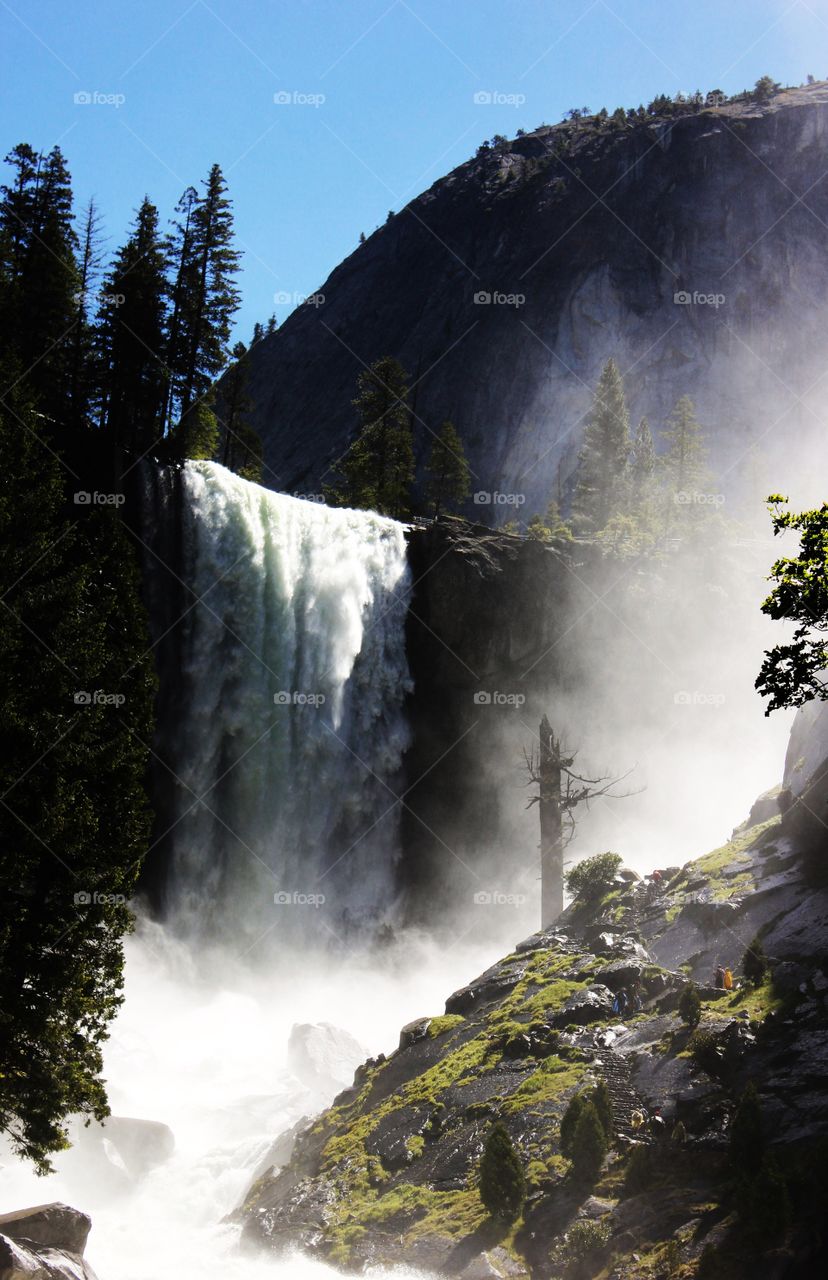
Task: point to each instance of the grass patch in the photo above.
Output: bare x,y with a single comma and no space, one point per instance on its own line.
448,1022
551,1080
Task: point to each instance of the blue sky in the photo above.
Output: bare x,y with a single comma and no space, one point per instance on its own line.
381,98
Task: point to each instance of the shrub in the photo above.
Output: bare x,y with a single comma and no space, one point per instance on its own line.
569,1121
746,1141
689,1006
592,878
502,1183
704,1046
589,1145
600,1099
755,963
600,1096
640,1173
585,1238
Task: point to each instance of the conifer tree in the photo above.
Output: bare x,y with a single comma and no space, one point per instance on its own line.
378,468
82,365
131,337
643,461
684,460
602,463
589,1145
447,470
502,1182
242,447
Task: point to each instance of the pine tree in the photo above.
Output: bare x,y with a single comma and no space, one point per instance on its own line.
378,469
82,371
643,463
602,1101
683,463
602,463
205,296
689,1006
589,1145
181,268
131,329
39,274
447,470
73,832
502,1183
242,447
569,1122
755,963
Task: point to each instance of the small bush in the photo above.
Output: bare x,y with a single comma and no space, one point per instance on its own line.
592,878
600,1096
704,1046
585,1238
755,963
569,1121
589,1145
689,1006
502,1182
763,1202
641,1171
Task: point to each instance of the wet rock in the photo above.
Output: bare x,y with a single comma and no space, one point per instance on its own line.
142,1145
322,1056
495,1264
594,1004
621,974
413,1031
53,1226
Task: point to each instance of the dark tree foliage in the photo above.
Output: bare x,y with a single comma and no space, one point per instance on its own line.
602,463
131,337
378,469
792,674
75,709
755,963
689,1006
502,1184
747,1143
589,1145
590,879
447,470
763,1202
242,449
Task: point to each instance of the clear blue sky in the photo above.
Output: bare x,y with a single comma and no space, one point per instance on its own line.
399,79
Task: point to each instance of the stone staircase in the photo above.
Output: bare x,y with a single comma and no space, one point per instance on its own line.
625,1100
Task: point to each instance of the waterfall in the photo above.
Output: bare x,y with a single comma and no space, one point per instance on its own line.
283,727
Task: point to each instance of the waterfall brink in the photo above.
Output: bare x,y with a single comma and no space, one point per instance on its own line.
286,727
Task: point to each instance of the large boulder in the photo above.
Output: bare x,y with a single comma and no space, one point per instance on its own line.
323,1057
593,1004
45,1242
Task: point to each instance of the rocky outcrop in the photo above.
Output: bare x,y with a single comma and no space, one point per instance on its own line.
44,1243
692,249
389,1174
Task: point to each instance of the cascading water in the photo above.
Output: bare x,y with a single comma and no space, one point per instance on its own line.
281,737
287,728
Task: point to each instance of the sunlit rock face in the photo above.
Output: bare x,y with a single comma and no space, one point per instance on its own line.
692,250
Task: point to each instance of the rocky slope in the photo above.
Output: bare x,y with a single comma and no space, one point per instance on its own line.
593,232
388,1174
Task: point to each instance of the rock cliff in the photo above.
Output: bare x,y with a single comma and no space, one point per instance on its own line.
388,1174
692,249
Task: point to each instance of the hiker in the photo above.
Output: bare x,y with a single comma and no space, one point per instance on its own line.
620,1003
728,980
637,1120
719,978
635,997
658,1125
679,1133
657,878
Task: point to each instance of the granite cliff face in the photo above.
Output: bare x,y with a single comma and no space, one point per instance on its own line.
597,232
389,1173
